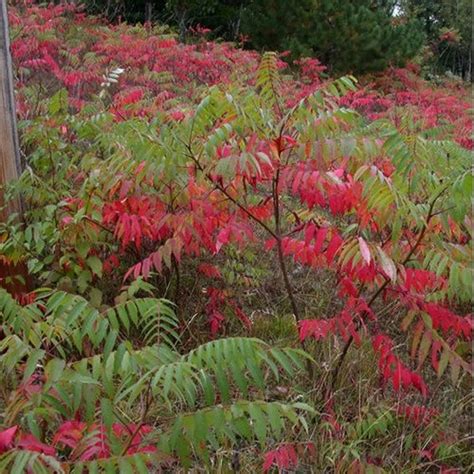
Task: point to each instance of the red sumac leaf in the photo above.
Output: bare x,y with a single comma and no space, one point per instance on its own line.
30,443
364,250
6,438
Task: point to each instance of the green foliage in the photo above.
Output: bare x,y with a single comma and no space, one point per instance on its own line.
16,462
219,425
92,365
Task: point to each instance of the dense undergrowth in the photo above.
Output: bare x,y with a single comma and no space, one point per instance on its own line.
234,265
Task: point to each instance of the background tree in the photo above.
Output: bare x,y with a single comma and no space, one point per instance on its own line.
280,25
448,29
349,37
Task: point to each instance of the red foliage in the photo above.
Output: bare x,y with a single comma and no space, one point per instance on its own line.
217,303
311,70
447,321
210,271
45,54
431,106
186,66
419,415
344,323
87,442
6,438
135,218
30,443
421,281
24,441
392,369
285,456
91,442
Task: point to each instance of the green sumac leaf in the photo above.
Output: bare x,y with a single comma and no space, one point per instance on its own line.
95,265
54,370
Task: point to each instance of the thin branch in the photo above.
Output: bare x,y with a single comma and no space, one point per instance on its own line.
281,258
385,284
231,198
148,400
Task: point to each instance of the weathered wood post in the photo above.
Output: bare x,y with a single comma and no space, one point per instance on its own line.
10,163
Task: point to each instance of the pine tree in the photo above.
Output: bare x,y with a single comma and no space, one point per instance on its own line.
348,36
280,25
362,36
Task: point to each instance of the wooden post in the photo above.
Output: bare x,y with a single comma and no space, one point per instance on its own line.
10,163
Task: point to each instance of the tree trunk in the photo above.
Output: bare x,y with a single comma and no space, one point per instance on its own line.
469,67
182,27
148,11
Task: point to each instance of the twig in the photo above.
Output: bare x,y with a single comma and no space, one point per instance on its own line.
142,421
